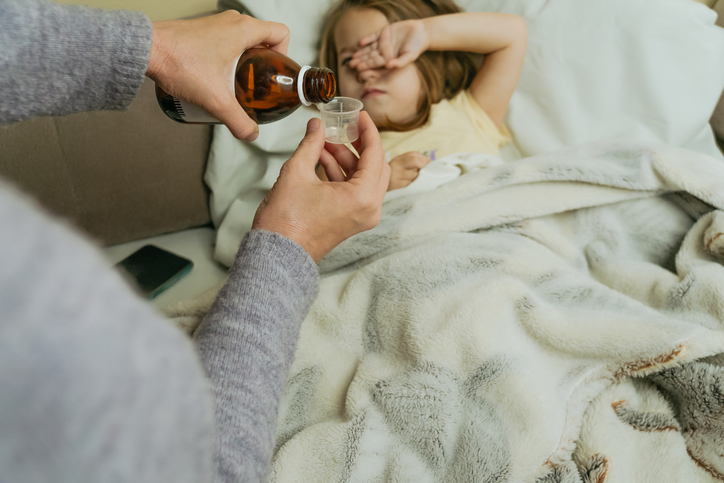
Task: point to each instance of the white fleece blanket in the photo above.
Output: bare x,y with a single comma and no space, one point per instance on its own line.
555,319
542,320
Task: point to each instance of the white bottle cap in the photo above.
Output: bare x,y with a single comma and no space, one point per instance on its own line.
300,85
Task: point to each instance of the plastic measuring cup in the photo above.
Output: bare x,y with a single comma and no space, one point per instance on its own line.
340,118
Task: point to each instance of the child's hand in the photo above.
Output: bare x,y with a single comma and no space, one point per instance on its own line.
405,168
394,46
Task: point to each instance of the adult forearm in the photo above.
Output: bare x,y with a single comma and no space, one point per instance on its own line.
247,343
59,59
477,32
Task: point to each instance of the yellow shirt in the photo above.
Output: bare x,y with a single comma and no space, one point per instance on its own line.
457,125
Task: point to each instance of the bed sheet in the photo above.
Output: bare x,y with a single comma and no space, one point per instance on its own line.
196,244
557,319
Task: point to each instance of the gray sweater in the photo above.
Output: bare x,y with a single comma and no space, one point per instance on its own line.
95,386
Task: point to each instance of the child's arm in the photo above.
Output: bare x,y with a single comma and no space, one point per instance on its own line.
503,37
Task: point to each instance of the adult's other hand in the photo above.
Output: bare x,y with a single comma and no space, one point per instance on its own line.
318,214
194,60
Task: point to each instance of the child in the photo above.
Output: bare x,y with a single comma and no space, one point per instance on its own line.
411,64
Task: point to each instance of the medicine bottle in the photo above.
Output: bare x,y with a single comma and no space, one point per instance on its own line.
267,84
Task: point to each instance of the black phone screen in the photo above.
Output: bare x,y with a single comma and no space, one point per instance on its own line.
154,269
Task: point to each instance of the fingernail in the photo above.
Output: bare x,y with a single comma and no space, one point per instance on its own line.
254,136
312,125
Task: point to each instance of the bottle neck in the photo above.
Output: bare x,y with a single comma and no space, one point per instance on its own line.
316,85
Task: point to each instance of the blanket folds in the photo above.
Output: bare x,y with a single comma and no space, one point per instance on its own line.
555,319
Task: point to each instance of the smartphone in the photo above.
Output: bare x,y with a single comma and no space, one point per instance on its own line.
154,269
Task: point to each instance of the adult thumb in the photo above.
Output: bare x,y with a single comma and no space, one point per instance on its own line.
310,148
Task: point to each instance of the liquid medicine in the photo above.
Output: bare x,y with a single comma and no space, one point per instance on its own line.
267,84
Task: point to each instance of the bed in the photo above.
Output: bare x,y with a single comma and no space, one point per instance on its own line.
625,70
552,315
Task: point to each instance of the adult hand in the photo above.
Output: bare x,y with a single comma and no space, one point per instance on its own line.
394,46
317,214
405,169
194,60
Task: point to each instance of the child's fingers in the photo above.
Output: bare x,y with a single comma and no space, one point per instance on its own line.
411,160
373,63
406,174
371,60
419,161
385,45
365,51
369,38
410,164
401,61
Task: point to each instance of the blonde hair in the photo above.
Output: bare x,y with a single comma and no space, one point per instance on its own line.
442,74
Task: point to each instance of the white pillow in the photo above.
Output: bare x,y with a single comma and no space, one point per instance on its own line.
646,70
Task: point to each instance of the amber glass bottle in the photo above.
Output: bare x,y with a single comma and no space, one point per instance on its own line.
267,84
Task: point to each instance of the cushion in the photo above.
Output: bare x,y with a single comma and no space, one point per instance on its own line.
616,69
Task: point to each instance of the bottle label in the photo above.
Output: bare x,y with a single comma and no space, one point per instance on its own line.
192,113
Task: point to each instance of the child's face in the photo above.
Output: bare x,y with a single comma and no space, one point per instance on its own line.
387,95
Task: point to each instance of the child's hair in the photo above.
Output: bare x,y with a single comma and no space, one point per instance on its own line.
442,74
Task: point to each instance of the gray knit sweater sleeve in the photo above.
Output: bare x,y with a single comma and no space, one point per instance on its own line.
247,343
59,59
95,386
